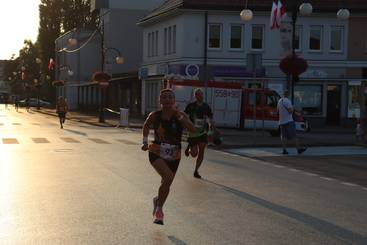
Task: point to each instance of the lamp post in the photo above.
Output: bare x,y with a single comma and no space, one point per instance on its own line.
37,84
103,83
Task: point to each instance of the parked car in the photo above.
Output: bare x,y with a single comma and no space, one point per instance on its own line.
33,102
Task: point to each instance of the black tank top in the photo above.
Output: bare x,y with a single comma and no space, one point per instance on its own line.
167,131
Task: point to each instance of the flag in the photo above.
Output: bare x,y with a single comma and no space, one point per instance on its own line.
277,15
51,64
281,14
273,16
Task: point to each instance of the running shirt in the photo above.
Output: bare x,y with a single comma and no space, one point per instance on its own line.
167,137
198,115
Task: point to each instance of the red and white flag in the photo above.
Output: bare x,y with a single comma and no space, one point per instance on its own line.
51,64
277,14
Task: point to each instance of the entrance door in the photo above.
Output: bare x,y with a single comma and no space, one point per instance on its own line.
333,104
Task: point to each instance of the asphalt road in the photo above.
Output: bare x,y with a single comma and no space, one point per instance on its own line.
90,185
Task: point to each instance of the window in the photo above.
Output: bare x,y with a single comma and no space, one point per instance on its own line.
156,43
169,40
353,102
298,39
315,38
308,98
236,37
252,98
149,44
257,37
174,40
336,39
215,31
272,100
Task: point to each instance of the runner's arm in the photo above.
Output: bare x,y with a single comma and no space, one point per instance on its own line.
186,122
146,127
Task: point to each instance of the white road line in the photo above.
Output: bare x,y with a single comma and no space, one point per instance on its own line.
277,166
326,178
293,170
311,174
349,184
364,188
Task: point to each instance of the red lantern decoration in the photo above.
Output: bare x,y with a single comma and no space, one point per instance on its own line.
58,83
102,78
293,65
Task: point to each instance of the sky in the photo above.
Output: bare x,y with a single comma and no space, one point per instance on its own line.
19,20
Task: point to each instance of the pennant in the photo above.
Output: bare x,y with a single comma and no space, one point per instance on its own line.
51,64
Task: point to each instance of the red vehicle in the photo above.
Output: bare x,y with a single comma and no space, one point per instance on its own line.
265,111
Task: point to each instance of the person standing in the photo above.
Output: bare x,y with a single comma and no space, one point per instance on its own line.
165,151
61,110
287,124
201,115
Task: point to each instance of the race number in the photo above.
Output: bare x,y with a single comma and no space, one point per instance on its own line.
168,152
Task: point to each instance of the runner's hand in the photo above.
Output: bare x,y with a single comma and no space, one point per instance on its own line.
144,147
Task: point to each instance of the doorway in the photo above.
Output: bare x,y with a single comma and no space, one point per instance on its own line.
333,105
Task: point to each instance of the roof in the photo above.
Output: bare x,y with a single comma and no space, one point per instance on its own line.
356,6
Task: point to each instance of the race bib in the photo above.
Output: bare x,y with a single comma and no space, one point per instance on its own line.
199,123
168,152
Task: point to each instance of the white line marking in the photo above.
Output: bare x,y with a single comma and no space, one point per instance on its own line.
277,166
349,184
326,178
311,174
293,169
364,188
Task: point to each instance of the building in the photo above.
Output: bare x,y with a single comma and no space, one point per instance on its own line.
4,85
206,40
121,37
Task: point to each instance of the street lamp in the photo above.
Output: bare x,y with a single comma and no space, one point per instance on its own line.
295,64
246,14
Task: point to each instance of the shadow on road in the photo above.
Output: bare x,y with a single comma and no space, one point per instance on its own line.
320,225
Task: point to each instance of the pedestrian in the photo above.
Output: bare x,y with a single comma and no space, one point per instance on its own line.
61,110
16,103
165,151
359,132
27,104
287,124
201,115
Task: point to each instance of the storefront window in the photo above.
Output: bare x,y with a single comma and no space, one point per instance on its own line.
353,102
308,98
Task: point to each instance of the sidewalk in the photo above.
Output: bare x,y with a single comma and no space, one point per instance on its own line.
232,138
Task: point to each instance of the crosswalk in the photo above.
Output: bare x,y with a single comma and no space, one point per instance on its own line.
70,140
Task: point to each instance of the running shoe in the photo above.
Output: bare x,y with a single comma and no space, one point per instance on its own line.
197,175
158,217
155,203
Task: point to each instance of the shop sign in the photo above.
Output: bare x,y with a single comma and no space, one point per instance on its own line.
354,83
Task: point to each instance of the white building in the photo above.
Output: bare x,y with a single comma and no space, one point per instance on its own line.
183,37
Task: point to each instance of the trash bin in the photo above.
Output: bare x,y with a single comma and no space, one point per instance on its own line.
124,117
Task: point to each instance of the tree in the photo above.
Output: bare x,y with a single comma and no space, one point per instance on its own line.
56,18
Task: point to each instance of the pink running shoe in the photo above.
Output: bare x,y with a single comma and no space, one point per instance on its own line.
158,217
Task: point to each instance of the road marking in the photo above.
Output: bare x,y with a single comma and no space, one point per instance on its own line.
99,141
349,184
10,141
293,170
69,140
17,124
364,188
278,166
311,174
326,178
40,140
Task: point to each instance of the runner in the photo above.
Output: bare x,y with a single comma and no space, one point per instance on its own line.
165,151
201,115
61,110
